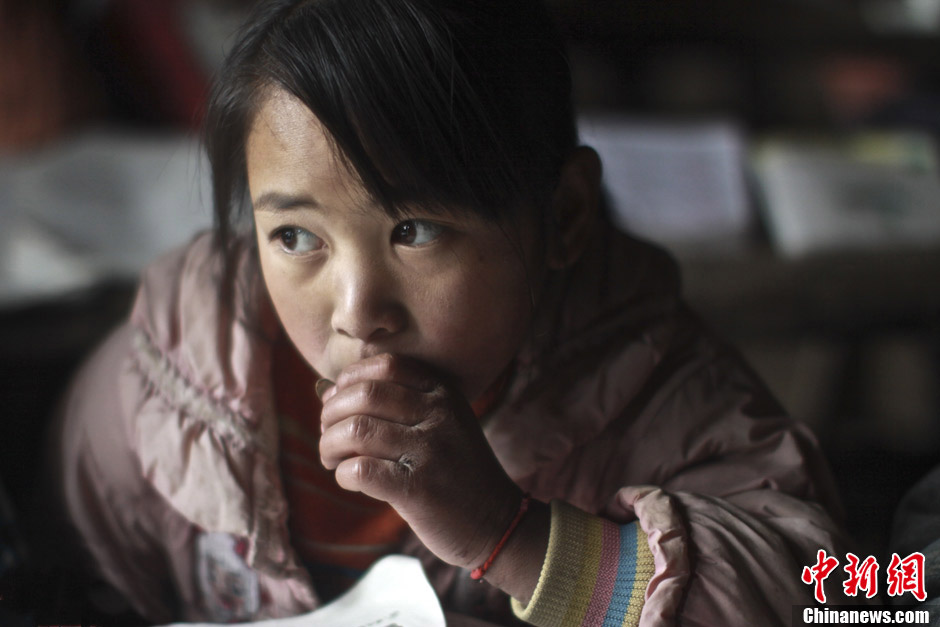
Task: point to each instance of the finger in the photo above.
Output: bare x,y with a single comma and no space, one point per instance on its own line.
382,479
362,435
381,399
404,371
321,386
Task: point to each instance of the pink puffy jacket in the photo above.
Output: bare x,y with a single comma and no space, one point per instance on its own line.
625,407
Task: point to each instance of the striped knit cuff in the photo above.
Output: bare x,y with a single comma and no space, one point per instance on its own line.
595,573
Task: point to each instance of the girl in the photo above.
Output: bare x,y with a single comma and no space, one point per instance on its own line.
508,388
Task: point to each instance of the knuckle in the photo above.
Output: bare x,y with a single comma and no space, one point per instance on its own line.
361,428
407,480
362,471
407,463
366,392
438,393
438,409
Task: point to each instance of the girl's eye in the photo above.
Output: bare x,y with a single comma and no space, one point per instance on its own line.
416,232
297,241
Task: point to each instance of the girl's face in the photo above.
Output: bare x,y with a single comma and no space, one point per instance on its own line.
348,281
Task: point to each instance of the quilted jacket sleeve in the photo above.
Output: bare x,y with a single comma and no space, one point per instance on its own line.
715,503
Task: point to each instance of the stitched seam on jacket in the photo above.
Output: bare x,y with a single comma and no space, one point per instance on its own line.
178,390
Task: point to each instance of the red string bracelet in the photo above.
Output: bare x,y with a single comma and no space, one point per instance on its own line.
478,573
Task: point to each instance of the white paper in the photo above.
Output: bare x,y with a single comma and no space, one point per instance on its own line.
393,593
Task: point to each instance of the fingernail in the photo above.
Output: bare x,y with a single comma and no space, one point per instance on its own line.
322,386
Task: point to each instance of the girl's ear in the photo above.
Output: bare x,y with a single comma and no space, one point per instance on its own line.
574,207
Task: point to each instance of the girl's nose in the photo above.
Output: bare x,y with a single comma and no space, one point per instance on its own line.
367,305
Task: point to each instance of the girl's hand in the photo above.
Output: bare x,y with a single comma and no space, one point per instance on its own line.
396,431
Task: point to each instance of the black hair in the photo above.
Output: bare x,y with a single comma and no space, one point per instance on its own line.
456,104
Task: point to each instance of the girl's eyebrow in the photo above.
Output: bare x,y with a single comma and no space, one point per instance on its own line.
277,201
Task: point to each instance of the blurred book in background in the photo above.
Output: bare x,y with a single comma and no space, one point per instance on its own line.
867,191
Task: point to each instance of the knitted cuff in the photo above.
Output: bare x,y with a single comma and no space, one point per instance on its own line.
595,572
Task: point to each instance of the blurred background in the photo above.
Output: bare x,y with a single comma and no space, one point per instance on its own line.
784,150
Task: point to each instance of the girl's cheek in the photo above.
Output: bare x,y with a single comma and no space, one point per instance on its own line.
302,313
308,333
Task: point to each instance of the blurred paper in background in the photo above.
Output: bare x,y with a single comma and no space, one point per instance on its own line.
678,183
96,207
